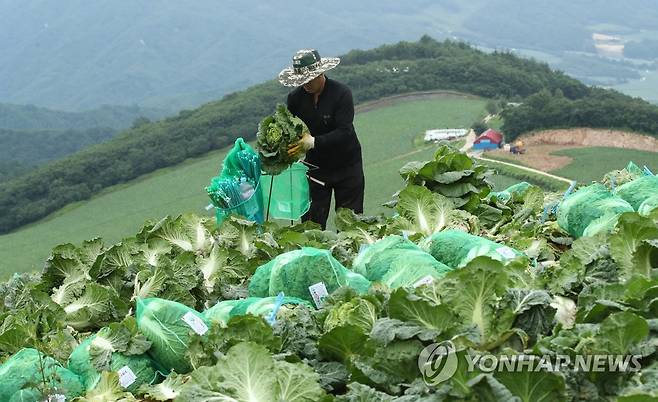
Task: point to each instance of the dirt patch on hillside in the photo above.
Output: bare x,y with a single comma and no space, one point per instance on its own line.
590,137
541,145
536,156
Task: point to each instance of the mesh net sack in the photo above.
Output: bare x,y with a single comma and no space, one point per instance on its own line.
27,395
138,369
220,313
397,262
638,190
28,368
455,248
593,205
286,195
515,190
648,205
294,272
237,188
263,306
169,326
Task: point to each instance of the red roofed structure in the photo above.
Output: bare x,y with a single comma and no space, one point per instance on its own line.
490,139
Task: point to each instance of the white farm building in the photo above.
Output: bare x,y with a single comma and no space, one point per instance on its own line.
444,134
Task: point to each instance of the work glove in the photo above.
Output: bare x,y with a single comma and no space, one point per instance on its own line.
302,146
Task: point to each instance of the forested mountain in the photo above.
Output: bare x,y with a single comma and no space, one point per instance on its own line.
387,70
31,135
78,54
30,117
21,151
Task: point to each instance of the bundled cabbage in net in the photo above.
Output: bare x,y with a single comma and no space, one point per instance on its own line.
169,326
222,312
397,262
28,369
263,306
455,248
638,190
515,190
28,395
137,369
648,205
618,177
590,210
294,272
275,134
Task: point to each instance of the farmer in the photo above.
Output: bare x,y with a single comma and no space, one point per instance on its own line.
327,109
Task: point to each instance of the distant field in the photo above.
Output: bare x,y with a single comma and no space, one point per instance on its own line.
588,163
591,164
386,134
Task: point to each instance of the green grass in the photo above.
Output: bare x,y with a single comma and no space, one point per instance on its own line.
591,164
496,123
501,181
507,175
386,134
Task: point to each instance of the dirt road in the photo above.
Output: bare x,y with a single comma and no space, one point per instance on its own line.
564,179
470,139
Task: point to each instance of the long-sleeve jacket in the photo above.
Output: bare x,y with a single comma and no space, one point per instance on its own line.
331,124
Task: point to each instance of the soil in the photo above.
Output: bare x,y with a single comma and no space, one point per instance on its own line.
540,145
591,137
537,156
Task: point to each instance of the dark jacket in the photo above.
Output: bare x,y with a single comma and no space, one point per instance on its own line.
336,145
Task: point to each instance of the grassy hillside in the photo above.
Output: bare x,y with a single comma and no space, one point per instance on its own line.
395,69
386,134
30,117
21,151
590,164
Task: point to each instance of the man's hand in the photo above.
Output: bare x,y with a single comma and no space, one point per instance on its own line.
302,146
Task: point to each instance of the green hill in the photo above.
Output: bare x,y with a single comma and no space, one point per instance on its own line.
387,70
31,136
387,135
30,117
21,151
548,99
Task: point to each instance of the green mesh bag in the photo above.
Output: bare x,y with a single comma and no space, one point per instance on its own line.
294,272
515,190
236,190
262,306
397,262
592,205
286,195
455,248
220,312
23,371
27,395
169,326
648,206
638,190
137,370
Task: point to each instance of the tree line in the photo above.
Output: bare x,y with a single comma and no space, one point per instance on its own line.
388,70
600,109
22,150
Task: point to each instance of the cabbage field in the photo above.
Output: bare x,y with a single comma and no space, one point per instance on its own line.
463,294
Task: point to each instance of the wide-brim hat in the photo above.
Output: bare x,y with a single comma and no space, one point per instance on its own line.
306,65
